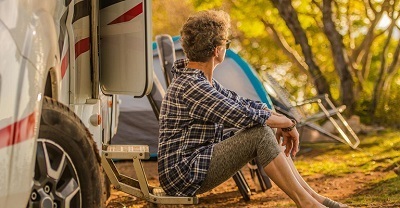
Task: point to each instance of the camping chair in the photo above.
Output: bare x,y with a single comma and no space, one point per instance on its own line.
308,128
166,54
156,95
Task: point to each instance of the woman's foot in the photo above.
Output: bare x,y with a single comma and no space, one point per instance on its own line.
333,204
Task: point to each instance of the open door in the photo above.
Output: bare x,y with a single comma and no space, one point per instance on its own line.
126,59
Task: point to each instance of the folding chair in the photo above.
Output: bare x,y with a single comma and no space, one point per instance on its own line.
166,52
307,123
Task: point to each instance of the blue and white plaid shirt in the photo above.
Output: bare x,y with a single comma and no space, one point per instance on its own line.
192,119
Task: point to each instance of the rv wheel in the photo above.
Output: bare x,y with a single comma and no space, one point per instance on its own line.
67,167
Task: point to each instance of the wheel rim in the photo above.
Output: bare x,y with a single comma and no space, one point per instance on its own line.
56,183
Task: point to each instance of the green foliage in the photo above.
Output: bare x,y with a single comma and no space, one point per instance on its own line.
363,108
388,113
169,17
206,4
257,46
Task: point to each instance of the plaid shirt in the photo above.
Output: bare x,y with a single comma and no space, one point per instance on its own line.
192,119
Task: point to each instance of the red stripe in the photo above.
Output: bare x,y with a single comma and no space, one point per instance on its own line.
129,15
64,63
23,130
82,46
6,136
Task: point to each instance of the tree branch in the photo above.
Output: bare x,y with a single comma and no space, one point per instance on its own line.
371,6
367,8
394,66
350,26
316,4
383,72
360,51
396,57
289,51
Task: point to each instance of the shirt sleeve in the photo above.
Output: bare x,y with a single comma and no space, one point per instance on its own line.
207,103
234,96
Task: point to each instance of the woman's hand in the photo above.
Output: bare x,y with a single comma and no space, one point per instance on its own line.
290,140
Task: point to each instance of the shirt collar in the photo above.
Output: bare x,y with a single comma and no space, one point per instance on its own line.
179,68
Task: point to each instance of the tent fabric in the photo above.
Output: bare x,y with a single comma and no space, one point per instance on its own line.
137,122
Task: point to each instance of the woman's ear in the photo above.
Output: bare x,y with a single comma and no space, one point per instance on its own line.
216,51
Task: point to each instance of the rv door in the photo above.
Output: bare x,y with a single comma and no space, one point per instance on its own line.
126,57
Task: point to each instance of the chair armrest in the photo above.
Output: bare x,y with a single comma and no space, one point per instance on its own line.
320,115
315,99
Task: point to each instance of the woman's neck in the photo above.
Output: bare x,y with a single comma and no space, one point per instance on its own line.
206,67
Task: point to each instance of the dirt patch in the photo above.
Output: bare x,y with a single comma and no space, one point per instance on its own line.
227,194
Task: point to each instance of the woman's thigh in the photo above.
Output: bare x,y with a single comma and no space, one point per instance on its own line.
232,154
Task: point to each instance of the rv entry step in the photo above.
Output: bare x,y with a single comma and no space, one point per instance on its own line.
139,186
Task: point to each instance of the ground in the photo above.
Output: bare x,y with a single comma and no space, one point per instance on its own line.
226,195
366,177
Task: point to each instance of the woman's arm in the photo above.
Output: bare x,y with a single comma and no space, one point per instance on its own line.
277,120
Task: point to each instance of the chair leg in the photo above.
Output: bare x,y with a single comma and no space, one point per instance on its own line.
263,176
242,185
258,173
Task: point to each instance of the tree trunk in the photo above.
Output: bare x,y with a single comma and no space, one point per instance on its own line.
340,58
385,72
288,13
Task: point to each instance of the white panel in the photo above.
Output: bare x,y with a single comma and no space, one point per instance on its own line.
125,48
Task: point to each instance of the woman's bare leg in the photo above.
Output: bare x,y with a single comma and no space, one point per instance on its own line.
304,184
280,172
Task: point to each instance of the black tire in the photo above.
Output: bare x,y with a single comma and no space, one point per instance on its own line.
65,142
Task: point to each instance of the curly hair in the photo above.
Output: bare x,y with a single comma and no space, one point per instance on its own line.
202,32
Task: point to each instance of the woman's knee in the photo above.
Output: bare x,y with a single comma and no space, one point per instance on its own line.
268,148
262,132
266,138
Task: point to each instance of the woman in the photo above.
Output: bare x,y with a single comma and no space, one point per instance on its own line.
195,155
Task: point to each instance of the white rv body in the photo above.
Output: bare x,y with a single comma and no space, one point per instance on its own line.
48,50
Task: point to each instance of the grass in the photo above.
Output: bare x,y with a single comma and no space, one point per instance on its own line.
375,153
378,153
386,191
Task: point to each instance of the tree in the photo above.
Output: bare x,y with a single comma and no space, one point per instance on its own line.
168,17
341,46
345,35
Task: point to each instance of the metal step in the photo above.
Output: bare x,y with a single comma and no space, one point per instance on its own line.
137,187
127,151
